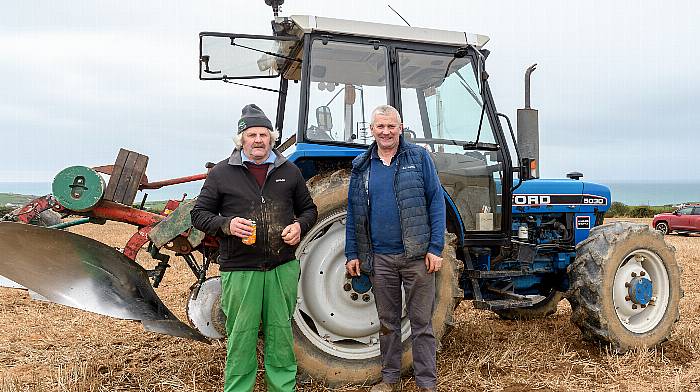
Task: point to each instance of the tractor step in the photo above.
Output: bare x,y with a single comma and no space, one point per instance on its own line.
500,304
478,274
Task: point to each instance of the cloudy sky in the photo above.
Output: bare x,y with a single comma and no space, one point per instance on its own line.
615,87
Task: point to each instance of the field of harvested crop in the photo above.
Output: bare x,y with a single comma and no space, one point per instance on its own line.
47,347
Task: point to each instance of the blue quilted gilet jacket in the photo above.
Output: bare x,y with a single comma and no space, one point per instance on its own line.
411,199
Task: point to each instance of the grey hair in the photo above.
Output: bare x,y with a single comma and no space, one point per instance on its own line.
238,138
385,110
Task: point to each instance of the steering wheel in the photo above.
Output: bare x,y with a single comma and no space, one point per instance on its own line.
316,133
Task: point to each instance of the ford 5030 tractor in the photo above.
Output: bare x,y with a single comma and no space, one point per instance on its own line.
517,245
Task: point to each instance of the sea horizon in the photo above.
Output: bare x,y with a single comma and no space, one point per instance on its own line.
652,193
174,192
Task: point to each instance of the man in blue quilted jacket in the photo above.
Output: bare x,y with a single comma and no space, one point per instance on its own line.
395,233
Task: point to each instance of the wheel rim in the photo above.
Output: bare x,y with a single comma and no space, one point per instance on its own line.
641,291
327,314
662,227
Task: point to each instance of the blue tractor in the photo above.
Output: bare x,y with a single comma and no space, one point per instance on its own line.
517,245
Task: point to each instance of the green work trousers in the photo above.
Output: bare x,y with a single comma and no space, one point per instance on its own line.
246,297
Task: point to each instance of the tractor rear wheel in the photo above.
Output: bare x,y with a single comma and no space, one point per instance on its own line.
335,325
626,284
546,306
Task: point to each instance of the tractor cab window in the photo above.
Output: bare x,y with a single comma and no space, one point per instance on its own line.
443,110
346,82
237,56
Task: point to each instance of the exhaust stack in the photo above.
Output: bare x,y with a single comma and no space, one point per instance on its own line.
528,129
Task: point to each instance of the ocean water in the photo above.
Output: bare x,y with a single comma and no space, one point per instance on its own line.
654,193
630,193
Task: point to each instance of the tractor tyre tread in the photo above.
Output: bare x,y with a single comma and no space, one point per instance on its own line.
592,275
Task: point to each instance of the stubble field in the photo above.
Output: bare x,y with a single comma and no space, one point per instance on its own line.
48,347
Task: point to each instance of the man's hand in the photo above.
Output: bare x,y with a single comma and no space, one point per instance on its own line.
292,234
240,227
433,263
353,267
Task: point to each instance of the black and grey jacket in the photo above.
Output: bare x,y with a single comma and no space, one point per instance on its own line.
230,190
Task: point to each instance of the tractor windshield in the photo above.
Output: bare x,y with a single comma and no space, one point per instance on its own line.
444,111
346,81
441,103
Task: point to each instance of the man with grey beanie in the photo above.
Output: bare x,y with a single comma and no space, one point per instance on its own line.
258,205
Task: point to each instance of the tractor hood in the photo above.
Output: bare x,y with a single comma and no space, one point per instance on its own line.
561,195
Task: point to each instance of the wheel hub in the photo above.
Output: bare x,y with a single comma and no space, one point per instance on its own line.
361,284
640,290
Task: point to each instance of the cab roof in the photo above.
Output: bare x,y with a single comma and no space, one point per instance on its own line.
309,23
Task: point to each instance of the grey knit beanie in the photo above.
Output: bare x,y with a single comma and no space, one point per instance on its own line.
253,116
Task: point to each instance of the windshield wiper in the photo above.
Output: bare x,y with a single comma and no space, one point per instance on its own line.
470,90
264,51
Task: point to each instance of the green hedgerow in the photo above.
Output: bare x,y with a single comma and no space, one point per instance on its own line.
617,209
641,212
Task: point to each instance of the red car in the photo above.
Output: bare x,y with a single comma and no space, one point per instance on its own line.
683,220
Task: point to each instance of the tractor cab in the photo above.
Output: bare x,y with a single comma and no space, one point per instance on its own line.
332,73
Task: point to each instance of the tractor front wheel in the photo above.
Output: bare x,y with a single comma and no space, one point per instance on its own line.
335,325
626,284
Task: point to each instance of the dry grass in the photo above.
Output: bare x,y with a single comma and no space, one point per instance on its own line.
48,347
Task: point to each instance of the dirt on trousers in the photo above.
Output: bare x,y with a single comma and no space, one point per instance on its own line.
49,347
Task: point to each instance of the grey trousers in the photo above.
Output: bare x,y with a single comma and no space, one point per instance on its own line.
390,271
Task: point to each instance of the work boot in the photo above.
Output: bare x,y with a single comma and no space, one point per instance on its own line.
385,387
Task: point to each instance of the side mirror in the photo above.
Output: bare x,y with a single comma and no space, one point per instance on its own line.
324,119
